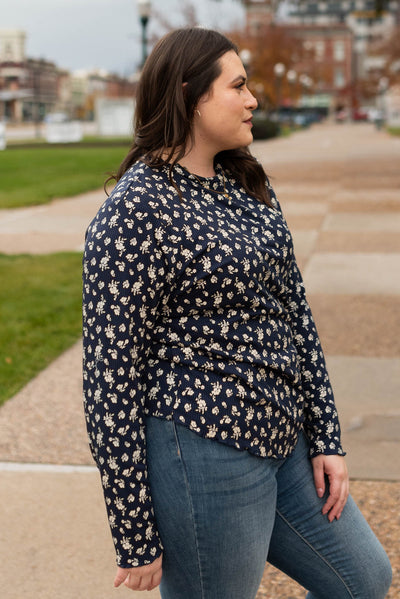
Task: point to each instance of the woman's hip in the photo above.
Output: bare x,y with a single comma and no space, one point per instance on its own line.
215,510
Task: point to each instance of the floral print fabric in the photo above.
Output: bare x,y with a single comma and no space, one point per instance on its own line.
194,310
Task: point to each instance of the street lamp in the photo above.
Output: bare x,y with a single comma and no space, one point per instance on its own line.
37,72
279,71
306,82
260,95
292,78
245,57
144,9
382,89
383,84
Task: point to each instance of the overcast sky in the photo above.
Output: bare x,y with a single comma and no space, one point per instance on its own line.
101,33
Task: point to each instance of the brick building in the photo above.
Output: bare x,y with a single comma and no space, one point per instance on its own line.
327,58
29,87
32,88
360,16
336,38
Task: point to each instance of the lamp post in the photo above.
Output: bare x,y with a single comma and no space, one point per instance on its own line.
37,72
292,78
144,9
306,82
245,57
382,89
260,95
279,71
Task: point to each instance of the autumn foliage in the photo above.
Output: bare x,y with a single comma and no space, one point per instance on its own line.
271,44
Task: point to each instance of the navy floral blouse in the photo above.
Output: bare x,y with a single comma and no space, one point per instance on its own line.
194,310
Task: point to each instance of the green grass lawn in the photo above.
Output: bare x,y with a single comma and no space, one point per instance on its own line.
87,139
394,130
40,314
31,176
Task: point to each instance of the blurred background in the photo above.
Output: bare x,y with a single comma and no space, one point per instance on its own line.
327,79
79,60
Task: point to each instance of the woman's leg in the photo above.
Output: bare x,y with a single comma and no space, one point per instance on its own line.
215,510
338,560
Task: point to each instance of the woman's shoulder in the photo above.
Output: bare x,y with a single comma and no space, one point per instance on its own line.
146,185
141,194
137,183
139,188
272,195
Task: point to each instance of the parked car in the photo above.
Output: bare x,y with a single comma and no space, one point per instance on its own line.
298,117
360,114
56,117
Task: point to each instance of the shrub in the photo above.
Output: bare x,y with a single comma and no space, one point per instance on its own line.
263,127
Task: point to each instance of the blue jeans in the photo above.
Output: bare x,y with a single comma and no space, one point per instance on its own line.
222,513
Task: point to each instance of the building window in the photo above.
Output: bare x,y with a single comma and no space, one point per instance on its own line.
319,47
339,50
339,79
307,45
8,52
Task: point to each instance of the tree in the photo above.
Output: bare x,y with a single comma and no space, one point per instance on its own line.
270,45
189,17
389,51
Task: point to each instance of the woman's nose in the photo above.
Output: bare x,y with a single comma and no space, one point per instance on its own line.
251,102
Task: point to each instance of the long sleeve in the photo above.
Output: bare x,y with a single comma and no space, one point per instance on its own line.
320,415
123,282
321,418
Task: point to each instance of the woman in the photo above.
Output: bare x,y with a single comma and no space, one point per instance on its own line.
208,405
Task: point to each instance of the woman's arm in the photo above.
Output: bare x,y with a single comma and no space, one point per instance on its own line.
321,419
123,281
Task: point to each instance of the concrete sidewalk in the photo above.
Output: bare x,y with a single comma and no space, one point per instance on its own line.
339,188
56,227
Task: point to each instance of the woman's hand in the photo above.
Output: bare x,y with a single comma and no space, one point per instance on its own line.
142,578
334,467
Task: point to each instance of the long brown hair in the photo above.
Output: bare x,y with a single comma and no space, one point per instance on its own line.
179,71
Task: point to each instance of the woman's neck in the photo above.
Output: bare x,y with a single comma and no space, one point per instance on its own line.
195,160
198,163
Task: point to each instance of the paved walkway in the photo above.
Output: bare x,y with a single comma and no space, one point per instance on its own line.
339,188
